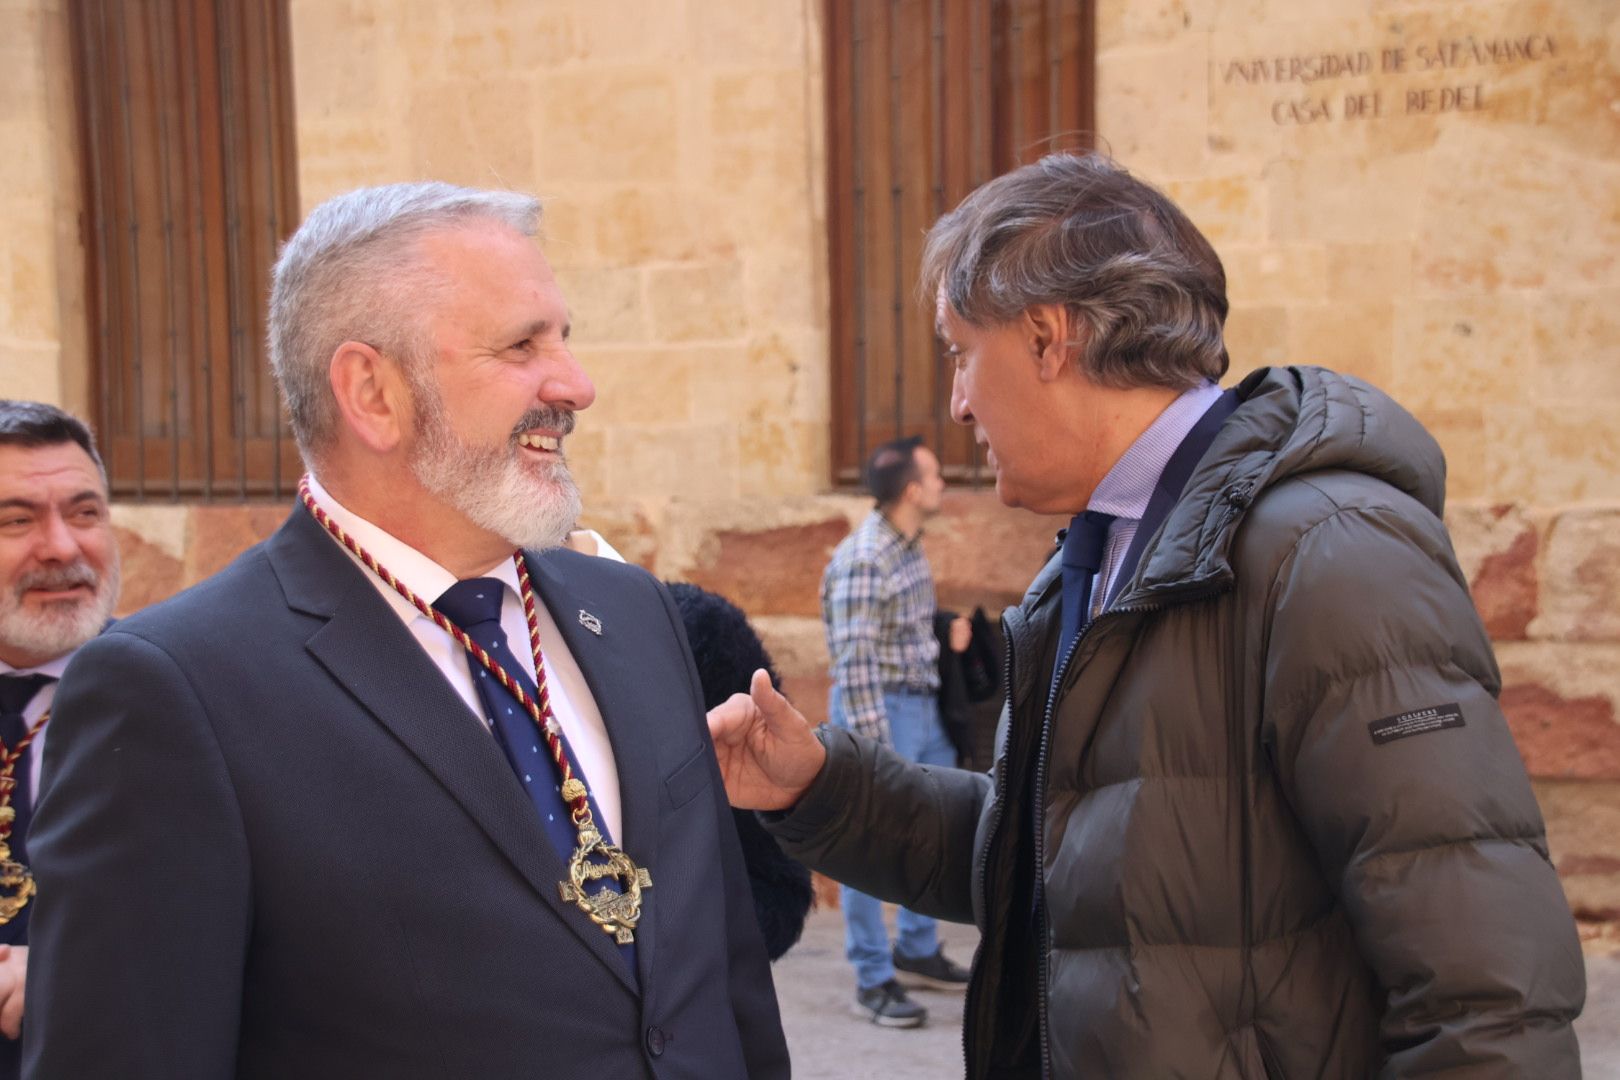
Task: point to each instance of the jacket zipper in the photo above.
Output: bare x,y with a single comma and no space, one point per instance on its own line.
997,807
1040,800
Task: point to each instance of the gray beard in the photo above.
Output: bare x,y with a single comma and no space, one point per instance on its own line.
58,628
530,505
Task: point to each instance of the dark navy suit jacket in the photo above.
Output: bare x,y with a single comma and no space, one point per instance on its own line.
272,841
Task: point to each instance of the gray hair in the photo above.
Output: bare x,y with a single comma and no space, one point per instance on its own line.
1080,231
348,274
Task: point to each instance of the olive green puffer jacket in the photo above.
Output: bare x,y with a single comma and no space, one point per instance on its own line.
1281,826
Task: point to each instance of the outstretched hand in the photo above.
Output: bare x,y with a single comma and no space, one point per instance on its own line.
768,754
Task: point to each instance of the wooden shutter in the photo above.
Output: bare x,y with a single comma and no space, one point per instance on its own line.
186,124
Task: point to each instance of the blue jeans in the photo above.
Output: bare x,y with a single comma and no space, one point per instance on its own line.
916,734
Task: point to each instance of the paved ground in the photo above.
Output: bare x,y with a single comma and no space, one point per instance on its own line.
828,1043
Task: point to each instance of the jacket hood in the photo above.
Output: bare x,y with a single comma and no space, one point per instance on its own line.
1291,420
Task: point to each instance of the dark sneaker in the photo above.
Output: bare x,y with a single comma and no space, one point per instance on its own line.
935,972
886,1005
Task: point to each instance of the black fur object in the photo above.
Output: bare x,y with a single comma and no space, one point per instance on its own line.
728,652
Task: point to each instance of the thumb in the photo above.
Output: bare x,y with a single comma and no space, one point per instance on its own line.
767,699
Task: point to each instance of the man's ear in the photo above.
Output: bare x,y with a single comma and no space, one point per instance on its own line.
371,395
1051,334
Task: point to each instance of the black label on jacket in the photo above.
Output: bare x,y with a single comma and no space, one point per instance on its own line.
1416,722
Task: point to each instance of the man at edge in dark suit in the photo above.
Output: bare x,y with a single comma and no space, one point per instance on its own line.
58,585
406,791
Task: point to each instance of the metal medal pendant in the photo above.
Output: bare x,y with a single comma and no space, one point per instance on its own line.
615,912
16,885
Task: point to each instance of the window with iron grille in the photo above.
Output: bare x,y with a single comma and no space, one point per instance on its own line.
187,149
926,100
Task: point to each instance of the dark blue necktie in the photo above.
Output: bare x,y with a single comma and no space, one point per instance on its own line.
1082,556
16,691
475,606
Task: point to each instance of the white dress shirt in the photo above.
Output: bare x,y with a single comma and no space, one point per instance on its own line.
34,709
571,700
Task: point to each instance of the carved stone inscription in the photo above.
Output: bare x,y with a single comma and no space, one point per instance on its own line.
1448,75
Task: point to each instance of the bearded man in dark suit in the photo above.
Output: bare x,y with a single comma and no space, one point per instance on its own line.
58,585
406,791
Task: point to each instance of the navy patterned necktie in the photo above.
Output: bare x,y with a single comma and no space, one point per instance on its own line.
475,606
16,691
1082,557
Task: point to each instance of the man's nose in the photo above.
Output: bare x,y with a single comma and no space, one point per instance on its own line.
55,542
959,406
567,384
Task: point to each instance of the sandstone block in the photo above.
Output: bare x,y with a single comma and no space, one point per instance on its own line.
797,643
28,284
588,462
605,303
1582,601
1492,213
503,38
1352,338
663,222
29,370
696,461
697,303
1275,274
219,533
339,59
605,124
1457,350
1577,338
1497,549
744,105
1124,25
780,458
769,571
1560,702
472,131
1344,198
983,553
631,527
719,32
1462,435
1564,454
150,572
1153,107
1369,270
638,386
1256,336
1583,818
1228,208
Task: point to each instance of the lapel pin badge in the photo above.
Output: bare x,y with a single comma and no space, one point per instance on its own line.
590,622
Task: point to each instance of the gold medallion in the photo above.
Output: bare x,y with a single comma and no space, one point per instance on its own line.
16,885
615,912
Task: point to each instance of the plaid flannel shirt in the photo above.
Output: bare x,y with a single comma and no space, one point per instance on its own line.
877,605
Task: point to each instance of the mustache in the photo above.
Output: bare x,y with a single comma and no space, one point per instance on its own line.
549,417
57,578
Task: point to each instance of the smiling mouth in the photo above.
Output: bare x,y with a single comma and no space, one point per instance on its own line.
547,443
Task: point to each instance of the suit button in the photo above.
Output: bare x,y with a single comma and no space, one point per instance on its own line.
655,1041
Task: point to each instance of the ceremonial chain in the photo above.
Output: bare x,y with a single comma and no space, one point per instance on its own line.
615,912
16,883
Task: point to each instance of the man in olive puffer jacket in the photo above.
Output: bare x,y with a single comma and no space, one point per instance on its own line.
1254,812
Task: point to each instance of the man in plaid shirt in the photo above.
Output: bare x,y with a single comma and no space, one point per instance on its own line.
877,601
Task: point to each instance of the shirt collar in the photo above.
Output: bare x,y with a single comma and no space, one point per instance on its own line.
1129,485
891,535
416,571
53,668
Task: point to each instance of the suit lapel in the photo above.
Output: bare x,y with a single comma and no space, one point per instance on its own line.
630,707
365,647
